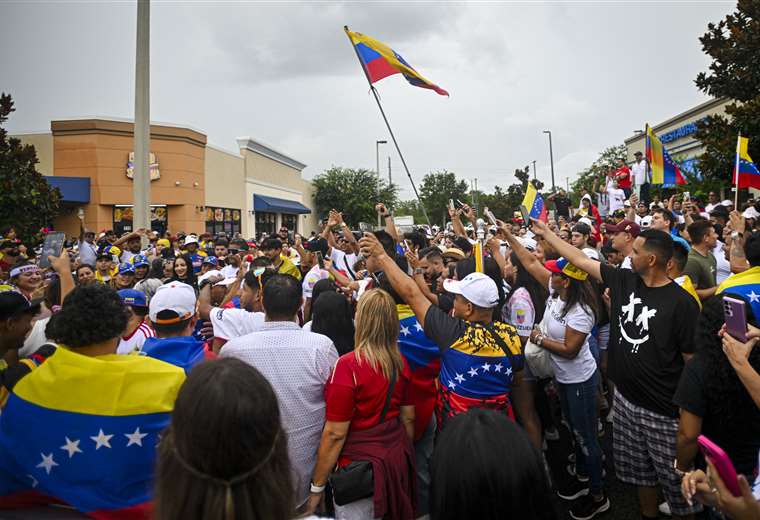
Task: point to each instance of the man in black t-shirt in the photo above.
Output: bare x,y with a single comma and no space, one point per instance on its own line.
561,204
651,335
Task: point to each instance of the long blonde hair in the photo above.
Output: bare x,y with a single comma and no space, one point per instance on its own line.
377,328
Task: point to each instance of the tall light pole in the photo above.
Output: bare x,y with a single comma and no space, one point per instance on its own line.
551,155
534,170
141,182
377,171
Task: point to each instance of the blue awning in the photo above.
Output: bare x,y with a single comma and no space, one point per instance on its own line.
275,205
73,189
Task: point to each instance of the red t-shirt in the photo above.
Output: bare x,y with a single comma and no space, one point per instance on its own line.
623,176
356,392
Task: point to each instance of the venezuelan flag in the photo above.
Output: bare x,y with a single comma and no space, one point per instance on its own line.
745,286
84,431
424,359
748,175
380,61
664,169
533,203
686,284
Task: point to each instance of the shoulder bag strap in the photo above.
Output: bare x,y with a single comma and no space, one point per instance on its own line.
391,386
502,345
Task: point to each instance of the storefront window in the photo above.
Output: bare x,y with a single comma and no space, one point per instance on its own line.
290,222
265,222
123,216
222,219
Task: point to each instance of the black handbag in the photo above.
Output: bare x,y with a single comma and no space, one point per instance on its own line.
356,481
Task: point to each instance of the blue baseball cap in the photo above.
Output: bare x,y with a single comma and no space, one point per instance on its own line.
126,268
211,260
133,297
140,261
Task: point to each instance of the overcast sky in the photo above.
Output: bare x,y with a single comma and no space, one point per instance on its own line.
285,74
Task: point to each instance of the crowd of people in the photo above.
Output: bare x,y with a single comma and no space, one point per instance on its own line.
389,374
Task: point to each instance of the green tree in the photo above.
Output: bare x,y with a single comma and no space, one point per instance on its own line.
607,161
27,201
734,45
437,189
410,207
353,192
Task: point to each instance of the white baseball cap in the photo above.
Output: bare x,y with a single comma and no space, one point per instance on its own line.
477,288
191,239
177,297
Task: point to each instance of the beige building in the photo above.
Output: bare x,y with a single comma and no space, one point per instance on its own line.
195,187
678,133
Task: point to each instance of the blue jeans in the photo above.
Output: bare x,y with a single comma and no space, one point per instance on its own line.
578,401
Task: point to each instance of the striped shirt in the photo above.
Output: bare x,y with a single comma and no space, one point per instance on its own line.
134,342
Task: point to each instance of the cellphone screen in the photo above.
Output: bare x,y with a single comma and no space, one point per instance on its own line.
320,260
52,247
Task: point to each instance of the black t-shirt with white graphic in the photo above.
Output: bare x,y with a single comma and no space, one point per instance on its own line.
650,327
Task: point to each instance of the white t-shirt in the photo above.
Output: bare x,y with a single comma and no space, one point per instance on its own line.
591,253
626,263
35,339
233,323
519,312
310,279
344,261
229,271
639,172
307,326
617,198
126,256
134,342
579,318
723,266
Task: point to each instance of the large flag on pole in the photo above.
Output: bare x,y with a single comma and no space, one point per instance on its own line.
746,174
380,61
533,204
664,169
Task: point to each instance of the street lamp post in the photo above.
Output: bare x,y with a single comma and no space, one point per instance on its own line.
551,155
534,170
377,171
141,182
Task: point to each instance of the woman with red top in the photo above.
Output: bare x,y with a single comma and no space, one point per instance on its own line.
368,417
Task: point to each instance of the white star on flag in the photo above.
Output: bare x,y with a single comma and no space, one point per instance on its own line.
473,372
754,297
486,367
101,439
508,371
418,327
498,367
459,379
47,462
405,331
71,447
452,385
135,438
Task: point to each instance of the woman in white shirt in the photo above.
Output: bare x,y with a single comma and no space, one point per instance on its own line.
569,317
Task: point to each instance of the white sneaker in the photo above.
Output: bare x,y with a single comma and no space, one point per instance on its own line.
665,509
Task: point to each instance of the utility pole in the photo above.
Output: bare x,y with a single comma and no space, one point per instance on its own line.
389,171
141,181
567,183
377,171
534,170
551,156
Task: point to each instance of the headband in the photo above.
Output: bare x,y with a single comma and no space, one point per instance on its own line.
29,268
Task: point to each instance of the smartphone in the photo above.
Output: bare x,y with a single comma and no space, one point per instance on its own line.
735,312
491,217
52,246
722,463
451,204
525,215
405,246
320,260
686,196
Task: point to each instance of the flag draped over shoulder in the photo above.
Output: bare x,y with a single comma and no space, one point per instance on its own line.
424,359
747,175
380,61
84,430
664,169
534,203
746,286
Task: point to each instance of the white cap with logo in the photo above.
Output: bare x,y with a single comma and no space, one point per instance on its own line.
478,288
177,297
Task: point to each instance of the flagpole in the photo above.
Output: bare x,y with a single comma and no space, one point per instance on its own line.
388,125
736,172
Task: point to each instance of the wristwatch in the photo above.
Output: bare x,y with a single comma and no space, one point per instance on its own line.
735,235
316,489
419,270
678,471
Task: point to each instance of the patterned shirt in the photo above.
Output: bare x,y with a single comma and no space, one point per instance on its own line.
297,363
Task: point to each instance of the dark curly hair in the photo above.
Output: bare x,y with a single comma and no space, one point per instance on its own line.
725,394
90,314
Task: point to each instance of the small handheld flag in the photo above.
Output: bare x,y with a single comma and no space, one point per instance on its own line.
380,61
533,204
746,174
665,171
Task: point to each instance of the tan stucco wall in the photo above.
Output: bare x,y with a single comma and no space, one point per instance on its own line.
225,181
43,144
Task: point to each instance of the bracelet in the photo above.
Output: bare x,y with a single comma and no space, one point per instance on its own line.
317,489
